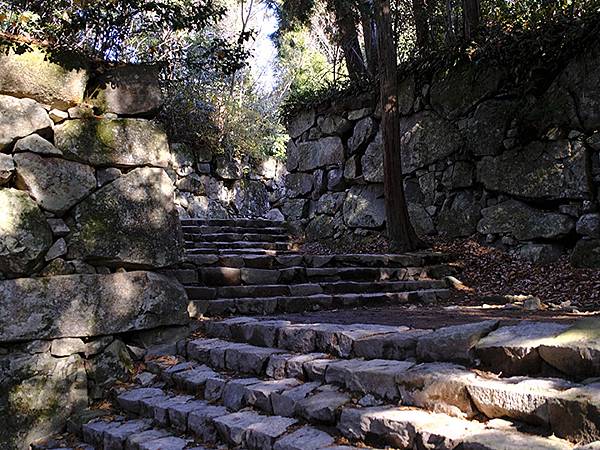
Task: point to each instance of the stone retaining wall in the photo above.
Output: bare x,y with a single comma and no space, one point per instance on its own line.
87,199
480,156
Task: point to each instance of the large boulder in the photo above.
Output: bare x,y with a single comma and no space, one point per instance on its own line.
88,305
542,170
39,393
300,123
364,207
113,142
325,152
457,89
486,130
459,215
7,168
523,222
426,138
372,160
298,184
24,233
363,131
131,221
251,198
130,90
54,183
573,100
20,118
33,75
586,254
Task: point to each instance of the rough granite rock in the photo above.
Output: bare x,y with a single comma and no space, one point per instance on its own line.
364,207
24,233
129,90
32,74
487,129
54,183
251,198
301,123
20,118
453,343
298,184
523,222
89,305
542,170
372,161
39,393
514,350
325,152
426,138
130,221
113,142
586,253
333,124
36,144
459,214
7,168
363,131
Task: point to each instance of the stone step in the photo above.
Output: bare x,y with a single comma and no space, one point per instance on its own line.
191,246
431,260
239,276
210,229
529,348
568,410
317,288
233,252
235,237
296,304
257,223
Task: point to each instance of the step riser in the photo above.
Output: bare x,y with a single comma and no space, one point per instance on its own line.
281,305
230,237
237,230
237,245
293,290
232,276
255,223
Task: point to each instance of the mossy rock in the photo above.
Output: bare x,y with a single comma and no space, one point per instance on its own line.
113,142
33,74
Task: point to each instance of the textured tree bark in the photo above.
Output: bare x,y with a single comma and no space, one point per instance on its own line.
401,233
471,16
346,23
421,23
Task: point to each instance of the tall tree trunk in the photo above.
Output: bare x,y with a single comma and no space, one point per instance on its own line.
401,234
471,16
449,21
348,38
421,23
369,36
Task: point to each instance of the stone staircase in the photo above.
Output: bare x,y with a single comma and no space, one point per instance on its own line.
271,384
249,266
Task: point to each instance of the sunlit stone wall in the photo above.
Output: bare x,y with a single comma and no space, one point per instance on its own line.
481,155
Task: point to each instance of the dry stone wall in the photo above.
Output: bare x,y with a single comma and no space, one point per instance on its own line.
87,214
480,156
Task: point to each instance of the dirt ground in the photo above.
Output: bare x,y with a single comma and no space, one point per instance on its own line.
428,317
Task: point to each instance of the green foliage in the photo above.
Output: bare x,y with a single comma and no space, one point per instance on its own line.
113,30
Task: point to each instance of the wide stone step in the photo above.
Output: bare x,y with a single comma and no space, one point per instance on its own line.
257,223
210,229
294,290
297,304
235,237
238,276
431,260
528,348
307,386
569,410
238,245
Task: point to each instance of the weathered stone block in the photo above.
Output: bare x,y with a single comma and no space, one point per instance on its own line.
130,221
31,74
325,152
523,222
113,142
129,90
364,207
54,183
20,118
24,233
88,305
586,253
